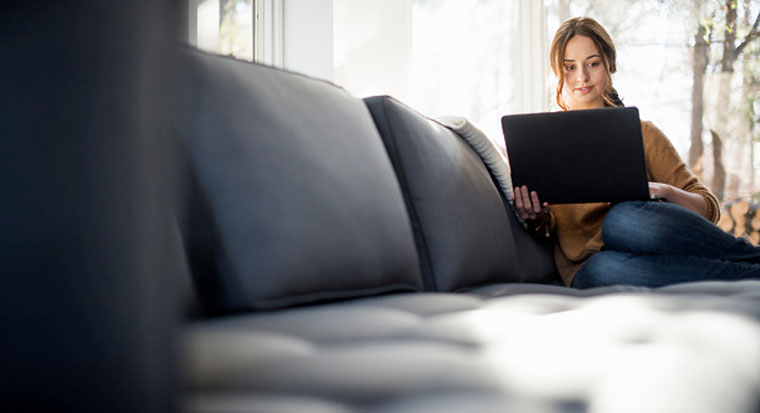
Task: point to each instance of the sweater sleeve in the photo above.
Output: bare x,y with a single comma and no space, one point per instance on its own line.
666,166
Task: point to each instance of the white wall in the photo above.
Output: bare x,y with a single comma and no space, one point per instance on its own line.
366,45
362,45
207,34
308,37
373,40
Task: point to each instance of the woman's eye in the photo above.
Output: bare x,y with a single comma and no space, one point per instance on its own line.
569,68
593,64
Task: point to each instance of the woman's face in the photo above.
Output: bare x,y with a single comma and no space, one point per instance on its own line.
585,74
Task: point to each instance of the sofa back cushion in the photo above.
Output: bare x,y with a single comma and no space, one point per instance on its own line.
291,196
465,234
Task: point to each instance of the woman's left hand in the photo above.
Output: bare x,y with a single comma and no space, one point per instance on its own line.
661,190
688,200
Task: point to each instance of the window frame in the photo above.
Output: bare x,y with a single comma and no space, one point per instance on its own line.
267,18
268,29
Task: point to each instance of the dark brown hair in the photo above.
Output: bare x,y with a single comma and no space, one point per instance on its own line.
584,26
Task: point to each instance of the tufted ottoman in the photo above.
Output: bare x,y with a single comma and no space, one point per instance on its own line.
688,348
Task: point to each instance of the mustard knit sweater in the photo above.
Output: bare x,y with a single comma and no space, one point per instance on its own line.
578,227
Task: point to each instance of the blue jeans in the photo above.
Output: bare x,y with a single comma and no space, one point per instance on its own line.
652,244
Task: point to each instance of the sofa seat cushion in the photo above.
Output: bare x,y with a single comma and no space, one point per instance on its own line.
465,232
291,196
552,348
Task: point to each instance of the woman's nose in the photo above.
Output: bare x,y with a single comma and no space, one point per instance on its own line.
583,74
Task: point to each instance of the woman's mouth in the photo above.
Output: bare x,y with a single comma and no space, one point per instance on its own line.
584,90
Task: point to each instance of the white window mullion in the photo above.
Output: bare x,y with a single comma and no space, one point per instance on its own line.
269,27
534,55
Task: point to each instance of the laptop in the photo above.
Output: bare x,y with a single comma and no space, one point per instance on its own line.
580,156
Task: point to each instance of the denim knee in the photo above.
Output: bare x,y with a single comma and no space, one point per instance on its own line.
603,269
639,226
622,216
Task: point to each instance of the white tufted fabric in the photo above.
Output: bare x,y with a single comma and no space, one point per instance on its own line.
495,160
510,347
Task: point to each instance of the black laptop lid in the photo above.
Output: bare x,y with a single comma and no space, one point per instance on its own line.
579,156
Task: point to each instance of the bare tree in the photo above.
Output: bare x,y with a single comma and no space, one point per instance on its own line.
730,53
747,124
700,57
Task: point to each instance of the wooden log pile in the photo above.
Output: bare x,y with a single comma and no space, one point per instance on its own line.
742,219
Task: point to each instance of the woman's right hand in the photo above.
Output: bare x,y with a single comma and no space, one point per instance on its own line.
528,206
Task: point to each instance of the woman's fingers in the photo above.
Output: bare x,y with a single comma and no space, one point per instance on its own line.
518,203
528,205
660,190
522,202
526,198
518,199
535,202
526,195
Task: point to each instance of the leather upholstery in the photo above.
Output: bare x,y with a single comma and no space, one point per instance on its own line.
465,235
299,200
500,346
288,196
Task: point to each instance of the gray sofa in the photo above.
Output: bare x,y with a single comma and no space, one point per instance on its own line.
354,255
188,232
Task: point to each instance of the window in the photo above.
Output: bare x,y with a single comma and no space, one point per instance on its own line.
223,26
692,68
480,59
485,58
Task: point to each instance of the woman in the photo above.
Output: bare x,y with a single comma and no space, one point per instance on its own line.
638,243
